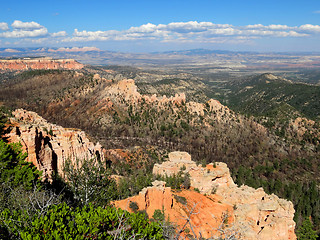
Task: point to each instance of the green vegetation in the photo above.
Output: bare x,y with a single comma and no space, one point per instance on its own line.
30,209
306,232
134,206
89,181
88,222
276,158
180,199
260,95
176,181
158,215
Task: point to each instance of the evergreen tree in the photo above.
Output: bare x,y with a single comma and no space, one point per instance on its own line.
306,232
90,181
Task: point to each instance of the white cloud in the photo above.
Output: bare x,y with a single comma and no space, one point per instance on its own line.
254,26
145,28
23,30
192,26
310,28
4,26
269,27
59,34
191,31
278,27
18,33
26,25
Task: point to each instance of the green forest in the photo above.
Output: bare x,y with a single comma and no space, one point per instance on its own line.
276,160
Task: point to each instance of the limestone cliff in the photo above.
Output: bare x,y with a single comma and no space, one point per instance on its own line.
250,213
38,63
49,145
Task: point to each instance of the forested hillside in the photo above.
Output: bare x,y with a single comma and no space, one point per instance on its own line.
259,150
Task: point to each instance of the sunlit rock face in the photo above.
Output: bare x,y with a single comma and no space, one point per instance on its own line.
39,63
49,145
251,213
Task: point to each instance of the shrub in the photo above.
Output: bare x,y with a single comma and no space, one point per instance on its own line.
214,190
306,232
89,180
90,222
186,181
197,190
134,206
158,215
180,199
14,169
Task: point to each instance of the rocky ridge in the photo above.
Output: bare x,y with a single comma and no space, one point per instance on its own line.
128,91
49,145
250,213
38,63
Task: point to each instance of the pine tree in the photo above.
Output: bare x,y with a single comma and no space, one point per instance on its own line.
305,232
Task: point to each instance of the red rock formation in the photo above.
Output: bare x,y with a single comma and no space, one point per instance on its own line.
252,213
38,63
49,145
208,213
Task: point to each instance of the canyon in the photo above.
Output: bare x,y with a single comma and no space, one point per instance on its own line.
213,206
107,105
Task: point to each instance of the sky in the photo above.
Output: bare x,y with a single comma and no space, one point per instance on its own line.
149,26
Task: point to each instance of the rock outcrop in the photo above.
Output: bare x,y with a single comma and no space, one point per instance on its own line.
208,214
251,213
49,145
38,63
128,90
206,179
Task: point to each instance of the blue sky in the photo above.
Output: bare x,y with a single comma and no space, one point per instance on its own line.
144,26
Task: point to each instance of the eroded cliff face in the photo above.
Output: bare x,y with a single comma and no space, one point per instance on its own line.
49,145
208,213
127,90
38,63
251,213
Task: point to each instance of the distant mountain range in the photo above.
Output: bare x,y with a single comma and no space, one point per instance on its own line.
178,59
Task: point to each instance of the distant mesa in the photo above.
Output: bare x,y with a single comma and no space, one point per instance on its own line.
24,64
75,49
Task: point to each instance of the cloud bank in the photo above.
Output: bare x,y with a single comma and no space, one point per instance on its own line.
180,32
193,31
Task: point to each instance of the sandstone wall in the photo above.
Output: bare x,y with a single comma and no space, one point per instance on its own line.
38,63
49,145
